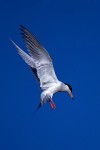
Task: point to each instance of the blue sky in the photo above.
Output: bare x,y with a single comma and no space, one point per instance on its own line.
70,31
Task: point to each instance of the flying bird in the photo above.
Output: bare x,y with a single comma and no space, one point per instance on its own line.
41,64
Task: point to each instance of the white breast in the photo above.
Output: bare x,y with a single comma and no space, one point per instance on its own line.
53,89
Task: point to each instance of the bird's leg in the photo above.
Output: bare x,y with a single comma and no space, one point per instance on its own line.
52,103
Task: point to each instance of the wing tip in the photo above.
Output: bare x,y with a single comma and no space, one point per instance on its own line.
12,41
21,26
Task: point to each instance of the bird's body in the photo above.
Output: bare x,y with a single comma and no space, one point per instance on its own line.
50,91
41,64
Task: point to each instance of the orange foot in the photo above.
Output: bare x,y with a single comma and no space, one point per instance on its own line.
53,106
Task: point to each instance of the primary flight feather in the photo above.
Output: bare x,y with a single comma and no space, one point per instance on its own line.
41,64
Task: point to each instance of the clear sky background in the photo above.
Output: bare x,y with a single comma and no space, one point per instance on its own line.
70,31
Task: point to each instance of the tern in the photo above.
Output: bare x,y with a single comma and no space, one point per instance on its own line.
41,64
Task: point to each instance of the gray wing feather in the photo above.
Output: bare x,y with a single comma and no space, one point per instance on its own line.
46,75
38,59
27,59
43,61
25,56
36,50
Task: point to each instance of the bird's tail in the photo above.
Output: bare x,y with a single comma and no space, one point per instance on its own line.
39,106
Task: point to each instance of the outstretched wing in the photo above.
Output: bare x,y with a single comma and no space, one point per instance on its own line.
35,49
38,59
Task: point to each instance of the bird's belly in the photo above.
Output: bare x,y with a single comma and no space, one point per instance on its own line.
48,93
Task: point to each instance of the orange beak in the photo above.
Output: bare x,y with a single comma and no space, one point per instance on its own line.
71,95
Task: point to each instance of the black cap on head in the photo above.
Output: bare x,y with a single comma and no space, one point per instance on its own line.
69,86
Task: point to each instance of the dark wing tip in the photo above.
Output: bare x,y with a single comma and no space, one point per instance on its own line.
24,31
21,27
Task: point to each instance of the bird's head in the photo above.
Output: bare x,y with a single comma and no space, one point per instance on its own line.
69,90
